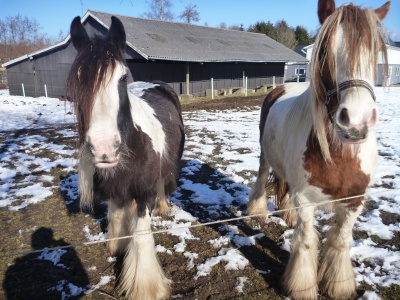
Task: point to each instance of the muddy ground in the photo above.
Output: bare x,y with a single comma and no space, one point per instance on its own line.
54,223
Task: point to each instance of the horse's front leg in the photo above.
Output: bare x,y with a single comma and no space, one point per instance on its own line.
258,195
118,226
142,276
162,207
300,277
336,275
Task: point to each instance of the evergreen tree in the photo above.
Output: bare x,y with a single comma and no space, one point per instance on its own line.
262,27
302,36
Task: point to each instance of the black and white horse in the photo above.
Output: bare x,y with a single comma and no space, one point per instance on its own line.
131,140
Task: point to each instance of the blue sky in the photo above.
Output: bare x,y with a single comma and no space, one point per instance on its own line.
54,15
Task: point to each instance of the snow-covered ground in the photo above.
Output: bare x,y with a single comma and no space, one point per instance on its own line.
235,134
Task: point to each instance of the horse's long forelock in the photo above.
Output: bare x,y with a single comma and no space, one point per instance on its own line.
363,33
89,73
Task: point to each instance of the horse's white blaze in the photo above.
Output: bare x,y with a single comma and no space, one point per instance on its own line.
361,108
143,115
103,133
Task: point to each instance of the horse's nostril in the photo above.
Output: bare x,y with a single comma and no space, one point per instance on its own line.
117,144
344,117
374,117
91,147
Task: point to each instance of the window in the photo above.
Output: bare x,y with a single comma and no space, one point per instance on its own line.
397,71
299,71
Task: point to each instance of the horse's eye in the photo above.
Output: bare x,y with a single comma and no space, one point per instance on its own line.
123,78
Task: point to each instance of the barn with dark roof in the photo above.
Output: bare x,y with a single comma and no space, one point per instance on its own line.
183,55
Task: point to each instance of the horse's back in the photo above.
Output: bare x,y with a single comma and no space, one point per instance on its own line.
157,94
284,94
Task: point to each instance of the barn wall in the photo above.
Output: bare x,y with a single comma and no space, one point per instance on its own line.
225,75
49,69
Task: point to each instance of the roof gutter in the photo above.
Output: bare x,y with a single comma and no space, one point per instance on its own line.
222,60
32,54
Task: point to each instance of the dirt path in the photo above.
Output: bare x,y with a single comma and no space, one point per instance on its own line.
223,103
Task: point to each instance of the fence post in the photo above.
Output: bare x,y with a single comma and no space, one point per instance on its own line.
45,90
212,88
23,89
273,82
245,88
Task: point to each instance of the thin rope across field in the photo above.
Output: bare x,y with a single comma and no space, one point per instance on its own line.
146,232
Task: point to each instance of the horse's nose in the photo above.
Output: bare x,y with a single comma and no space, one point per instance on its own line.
104,148
357,120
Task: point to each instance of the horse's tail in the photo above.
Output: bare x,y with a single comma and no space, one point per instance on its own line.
86,172
280,190
142,276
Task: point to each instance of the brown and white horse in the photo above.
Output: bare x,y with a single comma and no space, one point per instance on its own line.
131,142
319,140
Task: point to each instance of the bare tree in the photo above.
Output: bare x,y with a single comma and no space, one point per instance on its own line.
236,27
159,10
190,14
223,25
19,36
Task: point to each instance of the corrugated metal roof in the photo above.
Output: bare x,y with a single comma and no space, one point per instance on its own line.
180,41
161,40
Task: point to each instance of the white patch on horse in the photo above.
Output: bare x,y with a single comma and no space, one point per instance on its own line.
103,131
137,88
280,130
143,115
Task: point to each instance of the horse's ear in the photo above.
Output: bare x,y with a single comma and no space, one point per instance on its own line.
78,33
116,34
382,11
325,9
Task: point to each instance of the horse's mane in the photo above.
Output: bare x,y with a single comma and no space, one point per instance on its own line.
363,32
91,69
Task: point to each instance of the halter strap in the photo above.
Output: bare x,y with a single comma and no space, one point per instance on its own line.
346,85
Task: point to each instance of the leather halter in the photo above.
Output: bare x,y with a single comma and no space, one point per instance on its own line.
344,86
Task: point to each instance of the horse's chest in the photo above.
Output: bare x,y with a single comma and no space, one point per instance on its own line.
342,177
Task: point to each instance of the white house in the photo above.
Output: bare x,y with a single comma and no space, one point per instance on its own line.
393,62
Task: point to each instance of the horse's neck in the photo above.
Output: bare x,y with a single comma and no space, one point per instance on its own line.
145,119
298,121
